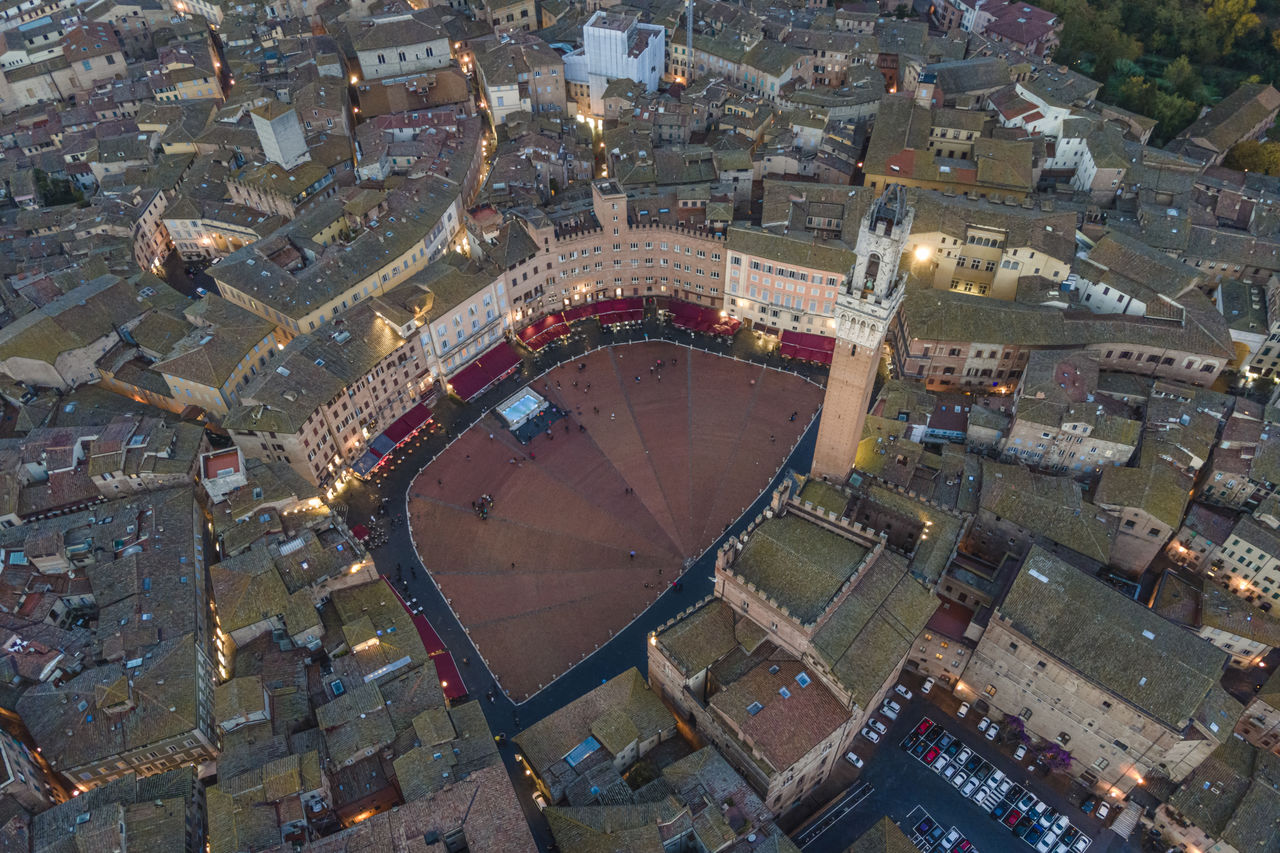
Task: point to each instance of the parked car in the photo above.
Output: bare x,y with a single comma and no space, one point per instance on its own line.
918,749
1024,826
874,737
940,762
999,810
923,726
964,755
946,740
1011,819
539,800
1027,802
932,753
1088,805
896,708
995,778
1060,824
909,742
962,710
1069,835
969,788
1082,844
1034,833
1046,819
980,772
1104,809
964,845
952,837
889,712
983,723
1020,752
992,731
1005,786
1047,843
928,685
936,835
960,778
877,725
950,770
953,748
902,691
853,759
924,827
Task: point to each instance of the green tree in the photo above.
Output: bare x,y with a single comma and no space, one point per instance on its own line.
1254,156
1182,77
1230,20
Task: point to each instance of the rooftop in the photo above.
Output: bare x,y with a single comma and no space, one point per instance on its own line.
1164,671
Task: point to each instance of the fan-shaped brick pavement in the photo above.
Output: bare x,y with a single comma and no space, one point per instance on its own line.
664,464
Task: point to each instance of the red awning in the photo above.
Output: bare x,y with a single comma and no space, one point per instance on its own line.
405,425
360,532
686,315
626,310
807,347
489,368
450,677
537,335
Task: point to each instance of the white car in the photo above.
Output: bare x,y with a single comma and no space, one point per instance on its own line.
539,800
1020,752
1046,819
928,685
893,706
950,770
964,755
1046,843
1060,825
853,759
994,779
1104,809
964,709
877,725
1005,787
888,713
960,778
902,691
874,737
1082,844
992,731
940,762
952,837
983,723
969,787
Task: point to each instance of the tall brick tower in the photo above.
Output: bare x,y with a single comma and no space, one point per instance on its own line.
863,311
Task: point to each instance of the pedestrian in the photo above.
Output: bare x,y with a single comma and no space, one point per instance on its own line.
613,416
771,439
468,457
439,482
673,362
637,380
595,409
513,460
557,384
659,572
651,369
491,436
513,564
633,555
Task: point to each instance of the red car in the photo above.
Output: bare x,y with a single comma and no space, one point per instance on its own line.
931,755
924,726
1012,818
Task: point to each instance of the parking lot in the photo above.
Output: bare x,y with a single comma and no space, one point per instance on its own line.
925,801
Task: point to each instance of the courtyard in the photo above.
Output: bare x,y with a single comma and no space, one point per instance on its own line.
588,522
